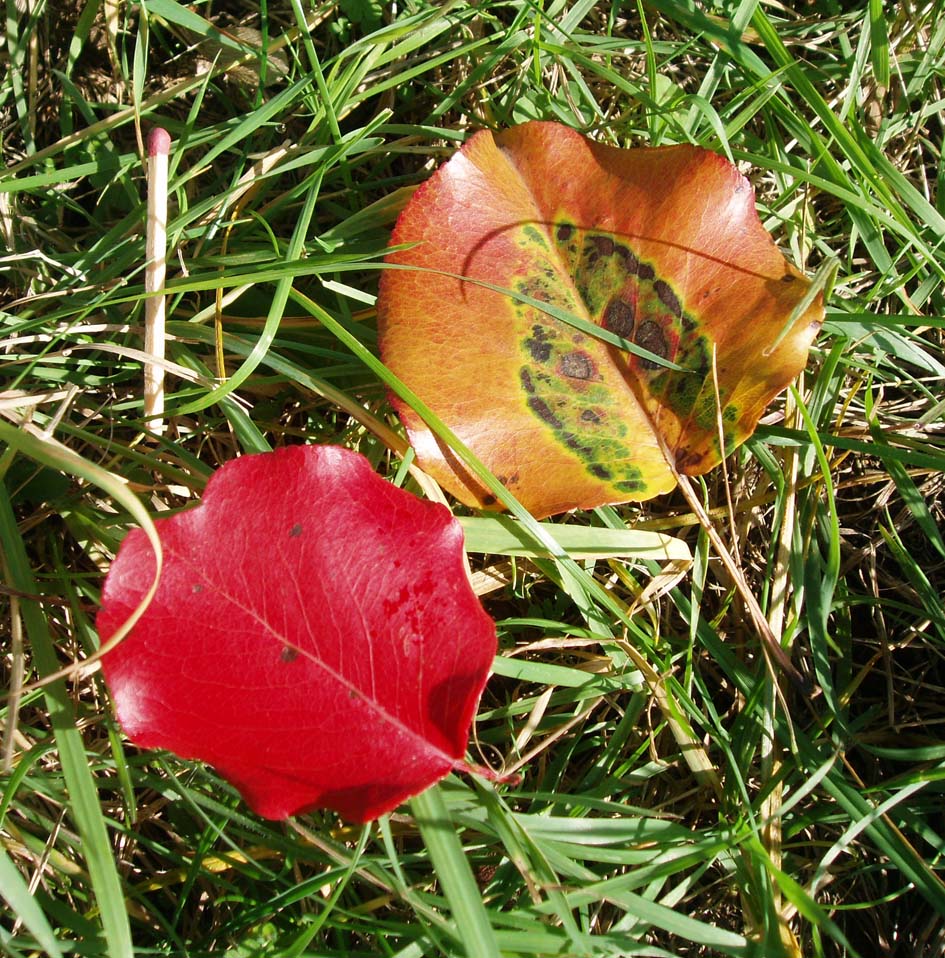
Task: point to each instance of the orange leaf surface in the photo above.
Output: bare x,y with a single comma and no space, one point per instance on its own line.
661,247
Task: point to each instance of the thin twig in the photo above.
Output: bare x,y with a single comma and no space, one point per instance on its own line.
769,644
720,425
16,683
159,145
770,748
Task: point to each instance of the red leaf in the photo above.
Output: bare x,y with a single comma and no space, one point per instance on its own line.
314,636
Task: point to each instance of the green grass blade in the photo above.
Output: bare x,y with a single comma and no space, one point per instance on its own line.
500,535
879,43
17,895
452,869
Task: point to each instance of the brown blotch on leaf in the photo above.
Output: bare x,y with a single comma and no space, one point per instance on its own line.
564,232
619,317
288,654
538,345
688,460
651,338
544,412
630,262
668,297
534,290
578,365
574,443
296,530
604,244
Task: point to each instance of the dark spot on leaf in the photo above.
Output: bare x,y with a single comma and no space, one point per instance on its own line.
604,245
288,655
630,262
488,499
564,232
669,299
686,389
538,345
578,365
354,694
197,588
526,380
788,278
645,271
508,481
534,291
688,323
575,445
589,415
619,317
296,530
650,337
544,412
630,485
689,460
601,472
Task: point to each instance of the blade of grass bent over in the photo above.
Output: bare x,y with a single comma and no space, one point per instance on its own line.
56,456
85,805
570,570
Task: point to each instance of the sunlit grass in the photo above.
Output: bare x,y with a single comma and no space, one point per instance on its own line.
676,799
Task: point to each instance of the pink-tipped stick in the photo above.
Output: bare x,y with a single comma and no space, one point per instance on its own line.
159,141
159,147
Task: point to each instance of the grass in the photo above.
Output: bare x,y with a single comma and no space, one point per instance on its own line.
675,799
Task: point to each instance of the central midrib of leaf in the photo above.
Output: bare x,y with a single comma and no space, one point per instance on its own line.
350,688
565,300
